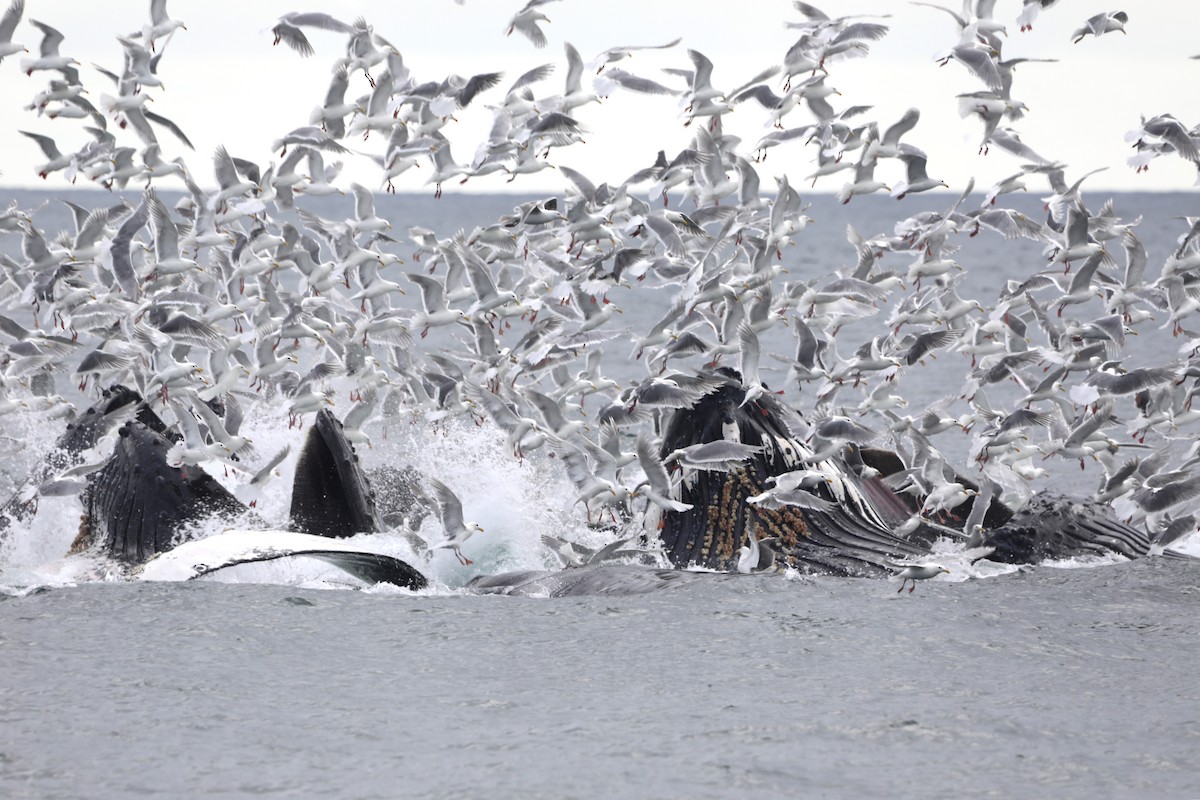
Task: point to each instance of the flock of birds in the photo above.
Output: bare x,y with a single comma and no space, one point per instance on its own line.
241,292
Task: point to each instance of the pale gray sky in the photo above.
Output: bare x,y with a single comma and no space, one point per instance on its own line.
226,84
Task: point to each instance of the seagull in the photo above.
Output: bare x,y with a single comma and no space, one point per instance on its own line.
1113,381
445,168
451,514
979,59
748,555
718,455
49,58
589,484
8,24
378,115
232,186
168,261
365,219
50,148
524,433
249,493
540,213
1080,243
918,180
287,29
758,556
1101,24
703,100
917,572
797,497
160,24
778,106
947,497
864,181
748,365
889,145
657,486
433,298
525,22
1030,11
614,54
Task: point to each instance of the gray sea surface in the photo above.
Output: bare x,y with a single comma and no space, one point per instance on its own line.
1067,683
1064,681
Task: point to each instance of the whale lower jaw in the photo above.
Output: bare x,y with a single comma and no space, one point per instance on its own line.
222,551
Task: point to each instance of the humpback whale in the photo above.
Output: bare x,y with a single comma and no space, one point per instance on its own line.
138,507
1053,526
855,532
81,434
597,579
851,535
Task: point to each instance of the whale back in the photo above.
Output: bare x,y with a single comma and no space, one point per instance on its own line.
595,580
1052,526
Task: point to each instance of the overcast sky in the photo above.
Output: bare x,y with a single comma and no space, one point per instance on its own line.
226,84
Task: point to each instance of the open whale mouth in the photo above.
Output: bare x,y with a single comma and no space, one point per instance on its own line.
282,557
851,536
852,533
137,507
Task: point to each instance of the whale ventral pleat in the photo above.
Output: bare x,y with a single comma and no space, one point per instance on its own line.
80,435
138,504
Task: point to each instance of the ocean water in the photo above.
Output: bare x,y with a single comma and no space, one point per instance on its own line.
1068,680
1047,682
